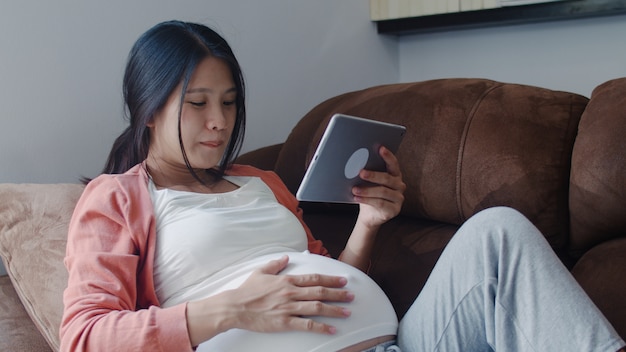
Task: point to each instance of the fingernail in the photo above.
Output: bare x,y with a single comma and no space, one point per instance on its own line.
332,330
350,296
346,312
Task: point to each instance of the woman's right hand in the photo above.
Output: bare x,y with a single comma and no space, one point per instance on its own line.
268,302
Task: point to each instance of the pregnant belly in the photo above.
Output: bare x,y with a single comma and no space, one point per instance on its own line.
372,319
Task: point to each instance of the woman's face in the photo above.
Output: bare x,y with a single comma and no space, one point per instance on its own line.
208,116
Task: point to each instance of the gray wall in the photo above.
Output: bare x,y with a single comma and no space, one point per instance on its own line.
572,55
61,66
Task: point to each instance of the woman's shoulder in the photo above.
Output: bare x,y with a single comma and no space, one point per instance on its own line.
133,180
134,174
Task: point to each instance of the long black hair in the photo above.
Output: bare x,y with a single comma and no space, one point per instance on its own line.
162,58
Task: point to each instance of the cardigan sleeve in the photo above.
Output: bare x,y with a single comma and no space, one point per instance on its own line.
103,257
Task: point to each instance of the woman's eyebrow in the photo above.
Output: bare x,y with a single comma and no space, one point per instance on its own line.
209,90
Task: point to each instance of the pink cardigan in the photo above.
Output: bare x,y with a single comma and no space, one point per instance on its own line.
110,301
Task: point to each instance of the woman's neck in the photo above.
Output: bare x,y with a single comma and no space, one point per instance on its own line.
164,175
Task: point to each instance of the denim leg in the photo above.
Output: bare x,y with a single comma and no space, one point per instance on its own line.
499,286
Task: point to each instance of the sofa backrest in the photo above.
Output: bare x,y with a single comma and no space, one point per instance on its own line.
598,179
470,144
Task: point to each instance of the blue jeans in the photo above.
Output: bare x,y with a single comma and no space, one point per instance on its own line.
499,286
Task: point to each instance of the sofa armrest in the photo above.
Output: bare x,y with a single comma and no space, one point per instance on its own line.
264,158
17,330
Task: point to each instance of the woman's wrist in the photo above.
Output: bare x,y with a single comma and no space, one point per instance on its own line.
207,318
363,237
365,225
358,261
359,246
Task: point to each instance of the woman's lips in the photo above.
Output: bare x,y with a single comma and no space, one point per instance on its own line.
212,144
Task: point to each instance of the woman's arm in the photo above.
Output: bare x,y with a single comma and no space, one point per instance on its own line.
377,205
107,306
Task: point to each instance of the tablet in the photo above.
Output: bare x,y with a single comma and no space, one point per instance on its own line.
348,145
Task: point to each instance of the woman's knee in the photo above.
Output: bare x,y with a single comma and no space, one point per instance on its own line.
499,214
499,217
505,223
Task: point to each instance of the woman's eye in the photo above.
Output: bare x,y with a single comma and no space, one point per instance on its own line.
229,103
197,103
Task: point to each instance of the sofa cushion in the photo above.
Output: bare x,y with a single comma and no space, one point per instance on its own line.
600,272
15,334
33,233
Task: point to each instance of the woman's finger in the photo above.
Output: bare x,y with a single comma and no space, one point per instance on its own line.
274,267
315,279
391,162
379,193
309,325
321,293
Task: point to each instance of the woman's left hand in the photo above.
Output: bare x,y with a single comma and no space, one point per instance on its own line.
382,201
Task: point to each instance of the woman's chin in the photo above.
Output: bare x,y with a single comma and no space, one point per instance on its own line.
206,164
203,168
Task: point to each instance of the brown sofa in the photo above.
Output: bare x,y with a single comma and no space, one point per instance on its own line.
558,157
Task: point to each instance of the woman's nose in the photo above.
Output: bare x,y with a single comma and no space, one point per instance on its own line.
216,120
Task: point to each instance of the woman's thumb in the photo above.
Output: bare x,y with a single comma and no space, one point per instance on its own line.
274,267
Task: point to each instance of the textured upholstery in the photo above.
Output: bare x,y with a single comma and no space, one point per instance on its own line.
33,231
598,201
598,180
18,331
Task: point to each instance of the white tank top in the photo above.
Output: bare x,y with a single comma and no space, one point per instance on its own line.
209,243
